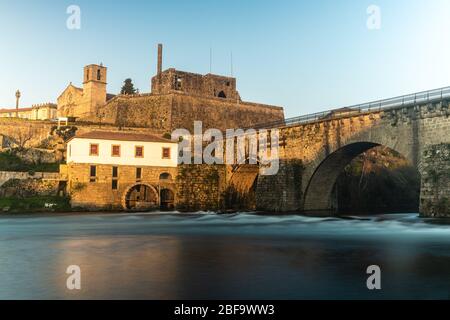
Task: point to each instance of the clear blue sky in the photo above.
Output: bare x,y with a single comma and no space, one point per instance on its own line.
305,56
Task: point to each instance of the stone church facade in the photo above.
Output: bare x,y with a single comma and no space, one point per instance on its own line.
83,102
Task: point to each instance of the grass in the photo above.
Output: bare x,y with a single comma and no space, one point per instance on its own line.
35,204
11,162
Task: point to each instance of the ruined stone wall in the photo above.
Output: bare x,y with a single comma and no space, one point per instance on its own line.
209,85
99,195
435,188
200,187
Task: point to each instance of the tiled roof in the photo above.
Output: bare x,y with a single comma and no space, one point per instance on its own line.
121,136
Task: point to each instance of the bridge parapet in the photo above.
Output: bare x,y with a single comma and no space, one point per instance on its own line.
386,105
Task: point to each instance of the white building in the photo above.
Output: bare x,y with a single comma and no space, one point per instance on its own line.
121,170
117,148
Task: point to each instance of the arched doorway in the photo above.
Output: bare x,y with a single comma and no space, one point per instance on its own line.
167,199
141,197
357,166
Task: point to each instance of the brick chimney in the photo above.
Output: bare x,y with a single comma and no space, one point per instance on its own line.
160,49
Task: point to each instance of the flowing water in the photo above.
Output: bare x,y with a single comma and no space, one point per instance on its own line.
209,256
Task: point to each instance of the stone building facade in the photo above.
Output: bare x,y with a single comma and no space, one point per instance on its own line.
155,185
45,111
116,170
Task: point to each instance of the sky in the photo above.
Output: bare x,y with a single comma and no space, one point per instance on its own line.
306,56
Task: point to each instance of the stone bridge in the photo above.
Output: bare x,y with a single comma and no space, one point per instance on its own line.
314,150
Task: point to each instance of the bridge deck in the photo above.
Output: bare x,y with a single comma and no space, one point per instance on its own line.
374,106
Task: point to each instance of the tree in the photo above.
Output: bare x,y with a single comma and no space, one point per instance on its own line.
128,87
22,136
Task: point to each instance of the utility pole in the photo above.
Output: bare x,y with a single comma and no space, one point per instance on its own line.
17,103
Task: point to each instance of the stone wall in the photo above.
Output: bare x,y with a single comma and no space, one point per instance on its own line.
200,187
209,85
165,113
40,132
30,133
283,191
7,175
435,189
147,111
30,187
220,113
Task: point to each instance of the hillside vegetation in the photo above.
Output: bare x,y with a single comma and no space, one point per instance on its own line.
11,162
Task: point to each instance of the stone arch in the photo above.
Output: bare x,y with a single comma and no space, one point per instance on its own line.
325,170
150,194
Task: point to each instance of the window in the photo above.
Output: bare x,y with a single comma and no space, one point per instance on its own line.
138,173
115,175
93,149
165,176
139,152
99,75
115,172
93,174
178,83
166,153
115,151
222,95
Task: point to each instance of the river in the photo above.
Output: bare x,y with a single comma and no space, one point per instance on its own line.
236,256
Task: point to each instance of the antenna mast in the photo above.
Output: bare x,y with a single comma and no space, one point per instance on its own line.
210,59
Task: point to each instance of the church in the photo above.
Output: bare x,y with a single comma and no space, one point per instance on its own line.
176,100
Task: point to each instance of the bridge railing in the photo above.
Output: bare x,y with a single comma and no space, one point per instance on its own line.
379,105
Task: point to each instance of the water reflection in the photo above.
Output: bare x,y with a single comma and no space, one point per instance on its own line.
207,256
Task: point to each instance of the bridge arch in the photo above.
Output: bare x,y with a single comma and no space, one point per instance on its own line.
322,180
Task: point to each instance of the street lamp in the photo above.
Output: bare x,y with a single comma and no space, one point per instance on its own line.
17,103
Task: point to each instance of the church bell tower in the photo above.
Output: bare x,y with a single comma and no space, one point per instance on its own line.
94,88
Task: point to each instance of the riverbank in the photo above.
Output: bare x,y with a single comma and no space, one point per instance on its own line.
37,204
